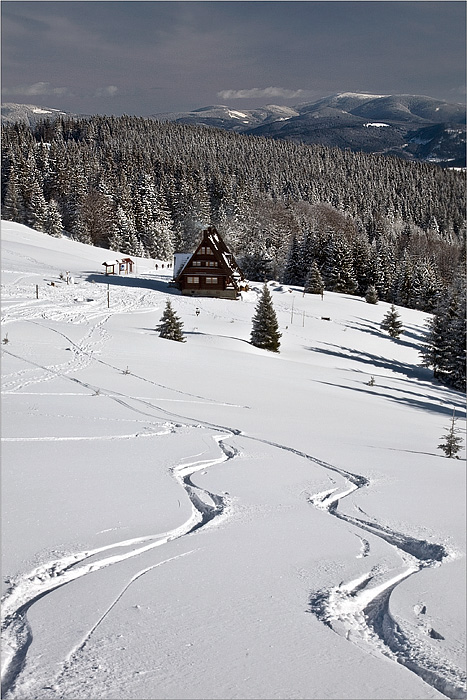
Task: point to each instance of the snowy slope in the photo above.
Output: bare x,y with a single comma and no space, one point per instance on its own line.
210,520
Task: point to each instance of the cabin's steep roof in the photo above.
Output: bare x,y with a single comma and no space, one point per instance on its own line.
210,238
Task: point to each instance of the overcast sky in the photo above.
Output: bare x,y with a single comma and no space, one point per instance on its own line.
147,57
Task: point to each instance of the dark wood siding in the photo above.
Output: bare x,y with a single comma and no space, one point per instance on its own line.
210,261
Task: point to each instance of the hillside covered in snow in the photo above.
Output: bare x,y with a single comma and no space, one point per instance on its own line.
211,520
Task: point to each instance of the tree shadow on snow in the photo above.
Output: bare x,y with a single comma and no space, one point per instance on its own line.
425,404
157,285
217,335
368,358
374,329
206,335
452,401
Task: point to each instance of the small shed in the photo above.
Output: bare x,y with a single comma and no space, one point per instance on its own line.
211,271
119,267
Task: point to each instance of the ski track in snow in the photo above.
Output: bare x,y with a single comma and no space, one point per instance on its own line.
75,653
84,354
356,610
41,581
362,614
44,579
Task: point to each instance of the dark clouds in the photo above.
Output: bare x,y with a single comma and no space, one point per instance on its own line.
146,57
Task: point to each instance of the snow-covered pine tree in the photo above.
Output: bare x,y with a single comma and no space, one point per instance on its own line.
53,224
115,239
36,208
311,249
314,282
171,326
200,205
179,199
456,351
163,228
452,442
293,273
361,251
384,268
13,205
123,237
371,295
153,223
338,272
445,349
392,323
78,229
257,266
265,332
71,207
404,291
428,285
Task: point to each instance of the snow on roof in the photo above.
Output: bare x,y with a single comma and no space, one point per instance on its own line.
111,262
180,260
227,259
375,124
213,236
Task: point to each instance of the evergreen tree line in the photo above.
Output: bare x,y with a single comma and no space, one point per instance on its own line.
400,263
138,185
306,215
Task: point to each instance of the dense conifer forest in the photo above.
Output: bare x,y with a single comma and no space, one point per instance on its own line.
286,210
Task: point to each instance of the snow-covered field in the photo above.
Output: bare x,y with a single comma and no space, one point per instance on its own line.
210,520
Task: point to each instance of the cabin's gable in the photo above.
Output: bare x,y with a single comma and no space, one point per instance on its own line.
210,271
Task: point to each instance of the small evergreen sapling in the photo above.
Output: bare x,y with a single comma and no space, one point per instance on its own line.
392,323
452,442
170,326
265,333
371,295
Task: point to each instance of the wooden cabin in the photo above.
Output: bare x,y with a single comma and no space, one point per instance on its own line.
211,271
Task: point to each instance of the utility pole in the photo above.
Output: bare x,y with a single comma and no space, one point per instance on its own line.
37,291
108,296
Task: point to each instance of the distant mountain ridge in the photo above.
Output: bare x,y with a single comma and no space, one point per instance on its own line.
31,114
413,127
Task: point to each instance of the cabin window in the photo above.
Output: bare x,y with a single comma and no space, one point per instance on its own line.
205,250
211,280
205,263
192,280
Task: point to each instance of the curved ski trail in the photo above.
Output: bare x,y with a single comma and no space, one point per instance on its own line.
46,578
362,614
